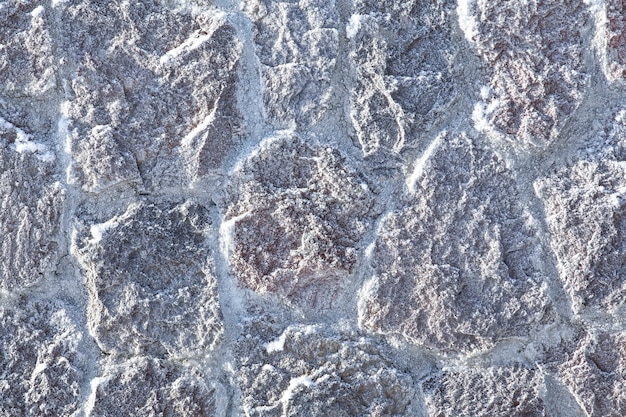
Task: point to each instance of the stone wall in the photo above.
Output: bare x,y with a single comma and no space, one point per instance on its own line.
313,208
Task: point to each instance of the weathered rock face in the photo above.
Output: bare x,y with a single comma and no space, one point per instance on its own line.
150,279
307,370
585,204
616,38
534,53
504,391
312,208
594,372
297,215
296,43
152,387
152,102
31,209
454,268
27,61
403,85
42,370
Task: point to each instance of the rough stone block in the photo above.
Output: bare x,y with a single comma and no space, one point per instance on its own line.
586,214
616,38
152,102
42,367
533,52
296,216
150,279
28,66
31,206
456,267
297,43
307,370
402,84
144,386
593,367
512,391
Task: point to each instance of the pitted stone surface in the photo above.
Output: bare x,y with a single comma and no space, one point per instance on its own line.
616,38
586,215
145,387
403,85
296,43
151,281
455,267
505,391
152,101
297,215
534,54
41,367
27,61
595,372
267,208
307,370
31,206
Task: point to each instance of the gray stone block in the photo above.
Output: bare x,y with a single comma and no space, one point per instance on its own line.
534,54
42,363
595,372
403,85
151,282
513,391
152,98
457,266
584,203
297,46
309,370
144,386
296,214
32,203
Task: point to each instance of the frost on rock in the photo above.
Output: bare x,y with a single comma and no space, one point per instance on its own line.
296,43
616,38
150,280
144,387
595,372
585,203
31,203
41,369
27,64
402,53
456,267
317,373
533,51
153,95
512,391
296,217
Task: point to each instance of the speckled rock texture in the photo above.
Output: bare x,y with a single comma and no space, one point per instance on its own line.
318,208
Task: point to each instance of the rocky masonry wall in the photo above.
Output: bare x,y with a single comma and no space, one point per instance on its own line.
313,208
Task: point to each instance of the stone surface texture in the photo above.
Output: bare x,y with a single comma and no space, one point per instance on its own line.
586,215
306,370
402,84
534,54
297,216
471,261
317,208
43,370
616,39
145,386
146,295
594,372
504,391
